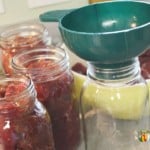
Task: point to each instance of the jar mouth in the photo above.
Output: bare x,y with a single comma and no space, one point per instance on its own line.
23,34
19,82
17,95
114,72
40,62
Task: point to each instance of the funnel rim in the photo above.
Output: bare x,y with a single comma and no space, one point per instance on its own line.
109,32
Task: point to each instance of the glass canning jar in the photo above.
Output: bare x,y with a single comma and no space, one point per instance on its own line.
114,100
16,38
53,79
145,64
24,122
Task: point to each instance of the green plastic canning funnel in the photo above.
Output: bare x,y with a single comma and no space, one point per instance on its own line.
108,32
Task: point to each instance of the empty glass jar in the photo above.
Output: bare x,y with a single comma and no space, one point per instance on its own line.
113,103
24,122
20,37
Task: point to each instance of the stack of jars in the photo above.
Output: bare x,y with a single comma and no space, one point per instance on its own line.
26,125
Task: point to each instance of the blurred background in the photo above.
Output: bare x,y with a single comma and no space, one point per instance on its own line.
15,11
20,11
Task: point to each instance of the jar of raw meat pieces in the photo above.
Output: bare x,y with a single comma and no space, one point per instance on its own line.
50,71
145,64
24,121
16,38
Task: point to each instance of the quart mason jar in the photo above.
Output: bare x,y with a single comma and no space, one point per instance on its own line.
50,72
114,100
24,122
16,38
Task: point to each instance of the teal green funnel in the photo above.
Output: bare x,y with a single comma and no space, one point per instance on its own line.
108,32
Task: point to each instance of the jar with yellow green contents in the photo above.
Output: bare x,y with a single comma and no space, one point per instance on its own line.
113,101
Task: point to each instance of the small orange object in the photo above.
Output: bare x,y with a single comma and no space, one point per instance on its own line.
95,1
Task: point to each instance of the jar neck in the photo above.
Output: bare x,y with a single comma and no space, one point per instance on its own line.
42,64
123,71
18,95
24,36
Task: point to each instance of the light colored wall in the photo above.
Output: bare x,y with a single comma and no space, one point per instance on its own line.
18,11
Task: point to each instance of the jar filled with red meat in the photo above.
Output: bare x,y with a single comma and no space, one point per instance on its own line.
24,121
49,70
145,64
16,38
